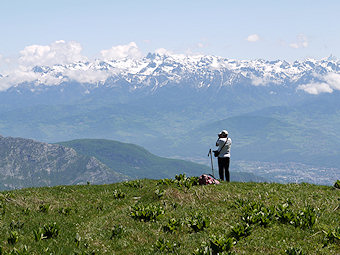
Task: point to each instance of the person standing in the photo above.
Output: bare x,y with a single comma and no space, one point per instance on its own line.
224,143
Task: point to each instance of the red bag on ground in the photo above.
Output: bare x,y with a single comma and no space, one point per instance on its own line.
206,179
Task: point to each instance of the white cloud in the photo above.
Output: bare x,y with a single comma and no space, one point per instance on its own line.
87,76
302,42
49,80
253,38
261,80
22,75
130,50
330,83
16,77
59,52
162,51
258,81
316,88
333,80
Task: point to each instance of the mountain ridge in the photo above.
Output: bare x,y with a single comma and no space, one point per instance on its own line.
26,163
156,71
29,163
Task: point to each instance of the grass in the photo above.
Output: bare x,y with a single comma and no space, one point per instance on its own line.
91,219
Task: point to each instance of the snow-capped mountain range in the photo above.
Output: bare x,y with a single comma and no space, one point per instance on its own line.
159,70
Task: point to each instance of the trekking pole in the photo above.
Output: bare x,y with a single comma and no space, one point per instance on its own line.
212,165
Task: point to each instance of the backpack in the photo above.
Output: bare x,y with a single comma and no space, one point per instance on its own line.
206,179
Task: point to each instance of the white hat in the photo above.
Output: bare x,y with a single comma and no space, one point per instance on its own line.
223,132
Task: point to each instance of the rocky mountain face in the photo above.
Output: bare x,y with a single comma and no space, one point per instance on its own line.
26,163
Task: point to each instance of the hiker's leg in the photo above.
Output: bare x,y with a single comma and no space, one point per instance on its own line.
220,168
227,174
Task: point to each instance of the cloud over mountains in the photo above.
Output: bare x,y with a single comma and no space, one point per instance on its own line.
130,50
331,82
59,52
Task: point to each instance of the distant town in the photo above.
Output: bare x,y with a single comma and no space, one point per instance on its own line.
290,172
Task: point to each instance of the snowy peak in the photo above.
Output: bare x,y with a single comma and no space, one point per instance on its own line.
157,70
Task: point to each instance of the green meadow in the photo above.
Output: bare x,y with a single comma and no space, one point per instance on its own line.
174,216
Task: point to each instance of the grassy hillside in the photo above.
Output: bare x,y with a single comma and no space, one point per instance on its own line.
133,160
150,217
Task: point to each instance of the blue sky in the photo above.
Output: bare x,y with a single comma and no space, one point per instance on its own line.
290,30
